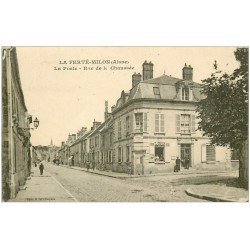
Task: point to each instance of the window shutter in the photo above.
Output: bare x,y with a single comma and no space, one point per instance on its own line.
131,122
156,123
122,154
124,128
203,153
178,123
193,123
162,123
145,122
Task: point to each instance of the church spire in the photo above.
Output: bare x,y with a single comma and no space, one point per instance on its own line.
51,142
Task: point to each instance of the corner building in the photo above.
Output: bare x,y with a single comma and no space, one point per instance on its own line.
156,121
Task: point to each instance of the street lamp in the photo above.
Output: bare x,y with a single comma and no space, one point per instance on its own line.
36,123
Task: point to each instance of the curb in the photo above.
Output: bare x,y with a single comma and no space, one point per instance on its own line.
151,175
212,198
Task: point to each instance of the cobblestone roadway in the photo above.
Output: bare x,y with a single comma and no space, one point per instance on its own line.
90,187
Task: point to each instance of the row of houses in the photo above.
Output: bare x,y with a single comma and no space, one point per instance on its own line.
147,129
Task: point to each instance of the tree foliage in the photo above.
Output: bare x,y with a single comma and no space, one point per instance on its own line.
223,112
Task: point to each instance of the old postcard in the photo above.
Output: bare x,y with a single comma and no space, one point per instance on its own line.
124,124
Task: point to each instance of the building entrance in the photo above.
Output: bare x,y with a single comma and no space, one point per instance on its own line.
186,155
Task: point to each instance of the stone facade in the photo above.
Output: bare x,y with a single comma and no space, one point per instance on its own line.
16,158
149,127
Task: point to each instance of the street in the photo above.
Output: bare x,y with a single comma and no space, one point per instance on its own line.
85,186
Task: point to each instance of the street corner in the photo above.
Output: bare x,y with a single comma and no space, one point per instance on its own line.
218,193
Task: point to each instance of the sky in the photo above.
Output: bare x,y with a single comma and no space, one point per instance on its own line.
66,100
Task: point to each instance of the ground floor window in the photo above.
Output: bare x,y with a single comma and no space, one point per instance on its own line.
110,156
159,153
102,157
127,153
120,154
210,152
107,156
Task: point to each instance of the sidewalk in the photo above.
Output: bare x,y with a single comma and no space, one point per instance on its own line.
125,176
213,192
42,188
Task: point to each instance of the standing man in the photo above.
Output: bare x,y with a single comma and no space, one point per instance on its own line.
177,164
41,168
187,162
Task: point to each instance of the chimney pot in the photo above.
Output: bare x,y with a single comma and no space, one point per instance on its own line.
187,72
147,70
136,78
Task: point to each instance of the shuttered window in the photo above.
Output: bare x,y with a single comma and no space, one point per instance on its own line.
159,123
145,122
185,124
210,152
178,123
127,125
193,123
139,122
157,118
119,129
162,123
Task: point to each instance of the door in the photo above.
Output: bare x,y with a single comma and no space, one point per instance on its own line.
185,153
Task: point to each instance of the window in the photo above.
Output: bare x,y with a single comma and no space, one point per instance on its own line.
156,92
127,153
107,156
127,125
185,94
110,138
103,140
96,141
102,160
119,154
110,156
139,122
185,124
210,153
119,129
159,153
159,123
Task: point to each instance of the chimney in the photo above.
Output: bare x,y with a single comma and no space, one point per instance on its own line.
106,110
147,70
187,72
112,108
96,124
69,138
136,78
83,130
73,136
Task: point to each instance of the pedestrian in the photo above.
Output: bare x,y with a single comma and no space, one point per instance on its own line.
187,161
41,168
35,165
177,164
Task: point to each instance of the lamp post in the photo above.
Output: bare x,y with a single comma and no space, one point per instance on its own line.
36,123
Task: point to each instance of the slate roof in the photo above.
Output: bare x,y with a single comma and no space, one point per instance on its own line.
167,87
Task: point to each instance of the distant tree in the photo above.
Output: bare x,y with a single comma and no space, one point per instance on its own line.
223,112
